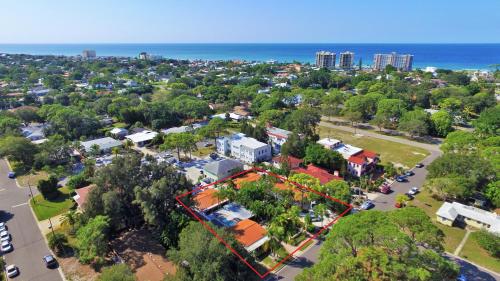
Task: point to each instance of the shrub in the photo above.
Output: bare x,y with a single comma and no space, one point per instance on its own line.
57,242
77,181
48,188
117,272
488,241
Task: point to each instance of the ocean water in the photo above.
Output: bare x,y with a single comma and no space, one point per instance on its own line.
450,56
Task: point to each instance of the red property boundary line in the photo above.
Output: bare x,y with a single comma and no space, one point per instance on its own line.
298,186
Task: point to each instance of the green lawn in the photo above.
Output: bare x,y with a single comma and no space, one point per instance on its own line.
389,151
45,209
269,262
204,151
453,235
32,179
473,252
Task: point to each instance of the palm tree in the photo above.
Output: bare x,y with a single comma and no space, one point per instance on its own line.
115,151
71,218
128,144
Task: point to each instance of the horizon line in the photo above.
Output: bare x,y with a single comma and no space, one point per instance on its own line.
234,43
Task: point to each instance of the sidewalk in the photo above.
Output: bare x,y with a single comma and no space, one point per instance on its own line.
45,224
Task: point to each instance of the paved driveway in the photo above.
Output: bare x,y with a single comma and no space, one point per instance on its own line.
28,242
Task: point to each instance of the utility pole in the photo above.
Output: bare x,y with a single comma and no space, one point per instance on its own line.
31,192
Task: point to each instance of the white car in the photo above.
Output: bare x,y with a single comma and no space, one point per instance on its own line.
6,247
4,236
11,271
3,227
414,190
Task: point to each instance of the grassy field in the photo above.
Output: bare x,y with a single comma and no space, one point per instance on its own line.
45,209
473,252
389,151
32,179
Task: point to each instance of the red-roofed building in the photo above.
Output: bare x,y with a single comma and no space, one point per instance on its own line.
293,162
362,162
250,234
81,195
321,174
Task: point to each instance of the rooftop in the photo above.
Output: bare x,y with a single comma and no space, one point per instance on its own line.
248,232
207,199
81,195
230,214
103,143
248,177
321,174
278,132
145,135
223,166
452,210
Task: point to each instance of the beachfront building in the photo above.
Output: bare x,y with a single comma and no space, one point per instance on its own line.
277,137
325,59
88,54
346,60
400,62
461,215
248,150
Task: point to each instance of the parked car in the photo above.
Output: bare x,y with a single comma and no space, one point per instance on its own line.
368,204
409,173
4,236
214,156
400,179
207,145
11,271
6,247
49,261
3,226
11,175
461,277
384,188
419,165
411,197
414,190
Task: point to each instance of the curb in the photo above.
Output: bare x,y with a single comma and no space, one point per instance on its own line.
474,264
10,168
61,273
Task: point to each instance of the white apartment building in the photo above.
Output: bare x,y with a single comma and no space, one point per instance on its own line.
277,137
248,150
325,59
401,62
346,60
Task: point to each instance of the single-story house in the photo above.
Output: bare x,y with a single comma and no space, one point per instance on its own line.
81,195
119,133
142,138
34,131
207,200
222,169
105,144
250,234
455,213
321,174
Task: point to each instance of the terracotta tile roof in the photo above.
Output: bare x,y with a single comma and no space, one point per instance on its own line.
207,199
248,177
323,175
248,232
82,193
357,160
293,161
367,154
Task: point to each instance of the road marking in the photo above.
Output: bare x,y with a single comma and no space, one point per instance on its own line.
2,189
19,205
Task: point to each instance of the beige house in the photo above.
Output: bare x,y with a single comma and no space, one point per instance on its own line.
456,214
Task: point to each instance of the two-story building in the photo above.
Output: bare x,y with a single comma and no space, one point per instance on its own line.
277,137
248,150
359,162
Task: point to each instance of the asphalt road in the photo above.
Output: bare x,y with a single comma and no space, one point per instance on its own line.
385,202
27,240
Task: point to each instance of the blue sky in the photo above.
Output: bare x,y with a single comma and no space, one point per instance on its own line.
258,21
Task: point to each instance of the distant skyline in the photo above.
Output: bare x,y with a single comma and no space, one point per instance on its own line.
249,21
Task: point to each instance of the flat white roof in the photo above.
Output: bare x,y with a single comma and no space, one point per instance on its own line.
347,150
145,135
249,142
103,143
257,244
329,142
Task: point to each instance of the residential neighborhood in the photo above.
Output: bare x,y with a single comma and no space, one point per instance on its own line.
153,168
